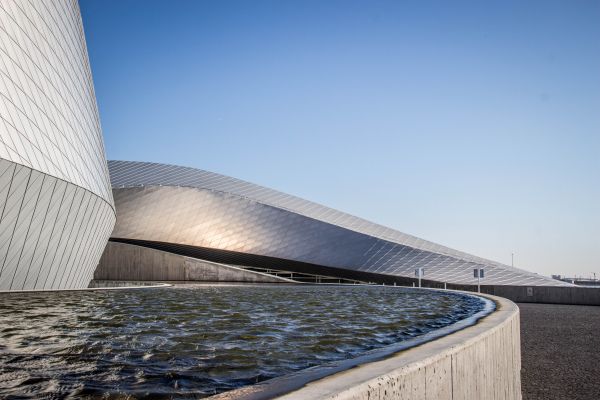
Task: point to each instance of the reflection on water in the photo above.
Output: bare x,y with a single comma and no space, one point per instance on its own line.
194,341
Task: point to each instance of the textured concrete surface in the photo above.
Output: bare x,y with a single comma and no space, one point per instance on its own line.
560,352
576,295
547,294
126,262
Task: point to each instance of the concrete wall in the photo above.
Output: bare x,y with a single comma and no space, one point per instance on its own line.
480,362
94,284
576,295
547,294
126,262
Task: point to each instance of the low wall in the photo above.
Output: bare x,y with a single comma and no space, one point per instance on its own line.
481,362
110,284
547,294
575,295
126,262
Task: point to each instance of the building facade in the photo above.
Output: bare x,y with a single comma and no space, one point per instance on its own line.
56,206
206,215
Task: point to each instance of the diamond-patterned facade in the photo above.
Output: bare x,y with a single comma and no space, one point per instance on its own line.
56,207
186,206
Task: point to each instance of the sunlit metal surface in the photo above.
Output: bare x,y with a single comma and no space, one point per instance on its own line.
56,209
187,206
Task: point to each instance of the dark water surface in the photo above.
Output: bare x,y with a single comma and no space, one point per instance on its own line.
194,341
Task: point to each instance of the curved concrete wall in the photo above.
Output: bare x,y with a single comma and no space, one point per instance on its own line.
482,361
56,207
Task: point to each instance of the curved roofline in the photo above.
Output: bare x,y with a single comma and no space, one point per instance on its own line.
249,191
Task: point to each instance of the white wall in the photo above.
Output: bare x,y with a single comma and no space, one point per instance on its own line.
56,207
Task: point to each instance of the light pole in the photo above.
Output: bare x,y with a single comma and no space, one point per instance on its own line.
419,272
512,260
478,273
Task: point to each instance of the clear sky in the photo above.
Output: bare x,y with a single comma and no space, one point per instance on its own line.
472,124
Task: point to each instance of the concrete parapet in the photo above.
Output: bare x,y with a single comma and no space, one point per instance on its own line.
482,362
126,262
576,295
547,294
479,362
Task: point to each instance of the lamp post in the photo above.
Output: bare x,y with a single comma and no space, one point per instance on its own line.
478,273
419,272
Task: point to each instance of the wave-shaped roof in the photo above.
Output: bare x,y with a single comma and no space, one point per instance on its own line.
388,255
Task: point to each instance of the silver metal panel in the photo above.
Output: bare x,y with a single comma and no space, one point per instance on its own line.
72,240
63,244
186,206
17,241
51,151
34,233
81,236
10,215
48,114
41,247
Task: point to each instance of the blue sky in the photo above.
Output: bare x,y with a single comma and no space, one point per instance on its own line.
472,124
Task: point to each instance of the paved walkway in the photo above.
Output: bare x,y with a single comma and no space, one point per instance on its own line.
560,347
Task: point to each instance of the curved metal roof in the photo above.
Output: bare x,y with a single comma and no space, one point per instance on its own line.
391,252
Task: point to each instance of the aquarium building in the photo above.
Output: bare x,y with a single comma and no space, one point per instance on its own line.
203,215
56,196
56,207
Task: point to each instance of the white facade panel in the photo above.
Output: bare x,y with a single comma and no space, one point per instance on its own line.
53,175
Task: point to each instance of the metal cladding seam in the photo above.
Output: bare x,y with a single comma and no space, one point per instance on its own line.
187,206
56,206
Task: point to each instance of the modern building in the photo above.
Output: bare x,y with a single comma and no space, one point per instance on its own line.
203,215
56,206
57,210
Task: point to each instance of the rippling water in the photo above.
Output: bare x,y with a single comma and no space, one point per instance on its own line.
194,341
